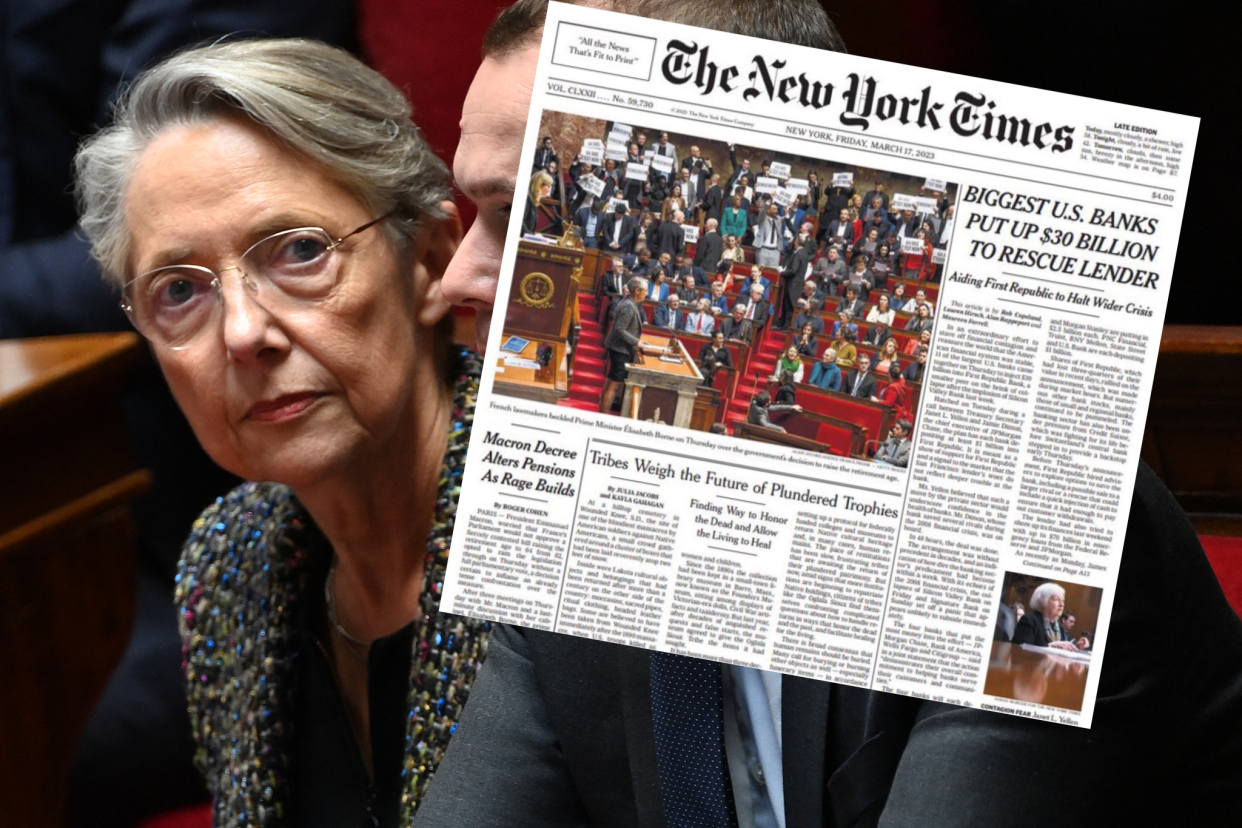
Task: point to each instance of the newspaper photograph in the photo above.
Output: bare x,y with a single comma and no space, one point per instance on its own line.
820,364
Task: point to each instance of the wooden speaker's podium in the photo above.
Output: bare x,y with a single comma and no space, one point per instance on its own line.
543,309
661,390
66,555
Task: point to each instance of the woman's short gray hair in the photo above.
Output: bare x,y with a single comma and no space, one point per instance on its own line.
319,101
1039,598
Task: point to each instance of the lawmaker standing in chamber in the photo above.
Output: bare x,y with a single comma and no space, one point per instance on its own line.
279,228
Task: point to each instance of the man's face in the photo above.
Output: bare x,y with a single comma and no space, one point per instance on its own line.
617,265
717,287
694,152
1068,621
493,122
864,363
674,301
832,254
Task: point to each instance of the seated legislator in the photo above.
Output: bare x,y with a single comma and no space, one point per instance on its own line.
895,451
567,731
737,327
761,406
1042,626
756,277
290,290
669,315
716,352
701,320
826,374
860,382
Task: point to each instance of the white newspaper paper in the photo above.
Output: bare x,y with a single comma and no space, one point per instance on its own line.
831,549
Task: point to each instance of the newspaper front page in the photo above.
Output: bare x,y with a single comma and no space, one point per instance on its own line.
875,497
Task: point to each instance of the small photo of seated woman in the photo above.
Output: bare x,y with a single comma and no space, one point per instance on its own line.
278,228
1042,626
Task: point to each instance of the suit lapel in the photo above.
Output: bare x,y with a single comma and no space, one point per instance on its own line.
634,680
804,722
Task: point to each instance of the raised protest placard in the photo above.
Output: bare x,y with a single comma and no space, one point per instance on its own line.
901,202
637,171
593,185
592,152
844,179
779,170
766,184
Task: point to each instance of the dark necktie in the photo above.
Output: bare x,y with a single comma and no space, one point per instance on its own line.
689,740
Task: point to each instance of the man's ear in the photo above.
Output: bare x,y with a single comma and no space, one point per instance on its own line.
434,248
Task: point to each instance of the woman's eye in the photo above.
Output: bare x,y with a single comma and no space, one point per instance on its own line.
173,290
302,250
178,291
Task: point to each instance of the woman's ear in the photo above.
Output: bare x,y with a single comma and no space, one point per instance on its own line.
434,248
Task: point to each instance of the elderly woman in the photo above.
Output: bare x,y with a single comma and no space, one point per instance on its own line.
1042,626
278,229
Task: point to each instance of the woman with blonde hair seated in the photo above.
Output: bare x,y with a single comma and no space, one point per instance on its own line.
540,188
278,229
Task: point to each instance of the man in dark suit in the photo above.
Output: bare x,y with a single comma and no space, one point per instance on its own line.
860,382
590,224
713,199
669,315
737,326
710,247
793,276
852,302
613,280
878,334
619,231
755,308
544,154
670,238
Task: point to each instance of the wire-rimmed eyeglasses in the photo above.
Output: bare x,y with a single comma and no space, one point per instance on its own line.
172,305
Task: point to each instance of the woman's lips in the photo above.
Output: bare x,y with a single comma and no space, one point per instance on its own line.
284,407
